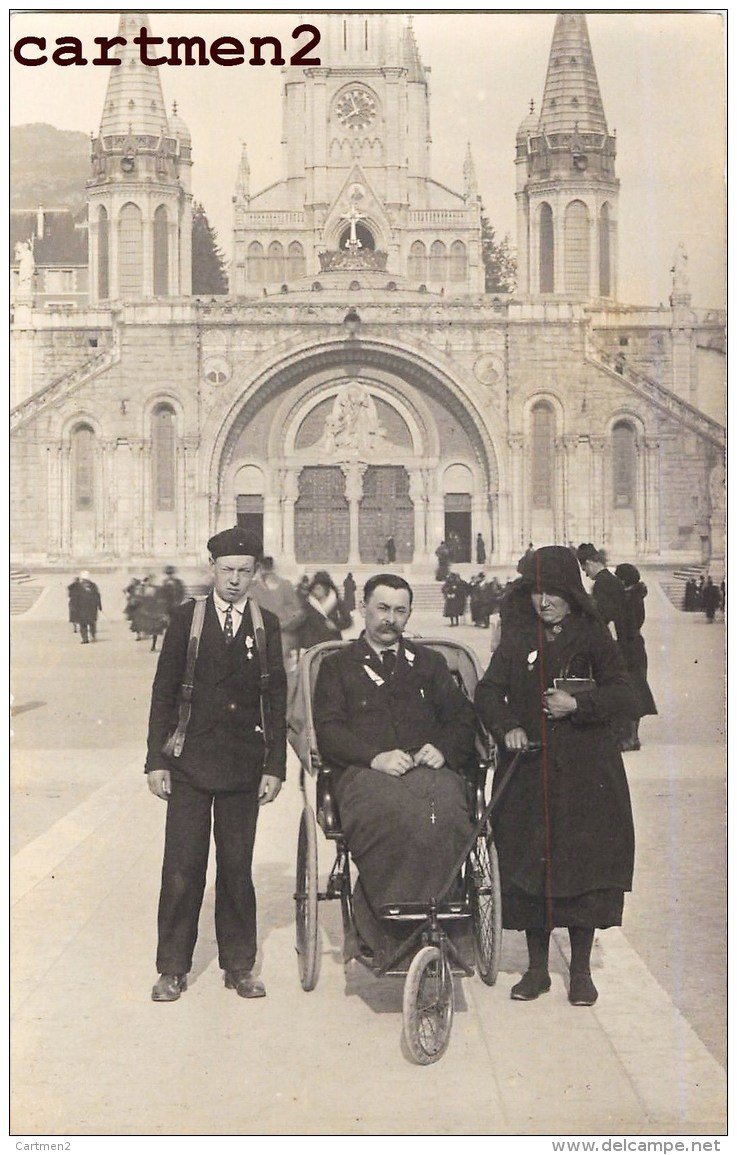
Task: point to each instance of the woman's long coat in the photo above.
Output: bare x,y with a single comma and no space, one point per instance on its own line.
591,835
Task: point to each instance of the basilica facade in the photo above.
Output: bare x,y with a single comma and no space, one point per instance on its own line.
358,383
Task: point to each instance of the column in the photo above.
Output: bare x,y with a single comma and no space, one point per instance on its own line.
517,537
652,495
289,495
147,512
109,543
593,251
418,495
523,243
53,480
435,524
533,271
148,253
559,232
272,516
179,493
596,490
569,445
66,498
353,472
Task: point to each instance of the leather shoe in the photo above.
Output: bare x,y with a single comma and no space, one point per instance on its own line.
582,992
169,988
532,984
244,984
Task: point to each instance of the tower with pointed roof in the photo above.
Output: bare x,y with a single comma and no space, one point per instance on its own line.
139,196
357,191
567,190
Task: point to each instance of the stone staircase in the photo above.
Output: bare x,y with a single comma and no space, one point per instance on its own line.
659,395
673,585
23,592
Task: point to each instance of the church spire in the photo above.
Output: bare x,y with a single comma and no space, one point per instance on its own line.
134,103
470,183
572,101
412,61
243,180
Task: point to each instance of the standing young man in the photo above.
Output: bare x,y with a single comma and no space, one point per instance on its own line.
227,767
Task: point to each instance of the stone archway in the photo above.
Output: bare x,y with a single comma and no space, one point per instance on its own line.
419,421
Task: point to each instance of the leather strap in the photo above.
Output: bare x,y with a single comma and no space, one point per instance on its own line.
175,744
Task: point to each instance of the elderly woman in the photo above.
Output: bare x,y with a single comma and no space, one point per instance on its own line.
563,827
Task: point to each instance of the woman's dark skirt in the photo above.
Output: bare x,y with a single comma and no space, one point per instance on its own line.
595,908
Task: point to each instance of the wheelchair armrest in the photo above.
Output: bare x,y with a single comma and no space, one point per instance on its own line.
327,804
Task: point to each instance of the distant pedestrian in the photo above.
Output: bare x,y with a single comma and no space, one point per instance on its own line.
151,615
73,594
442,553
635,654
349,593
607,592
454,592
325,615
88,607
172,588
690,596
710,599
480,550
390,550
278,595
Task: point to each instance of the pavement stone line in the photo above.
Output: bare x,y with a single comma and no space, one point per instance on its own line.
93,1055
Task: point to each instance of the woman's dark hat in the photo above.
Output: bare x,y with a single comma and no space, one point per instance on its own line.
628,574
555,569
235,542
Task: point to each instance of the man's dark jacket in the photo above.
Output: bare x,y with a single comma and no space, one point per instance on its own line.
224,747
357,718
608,593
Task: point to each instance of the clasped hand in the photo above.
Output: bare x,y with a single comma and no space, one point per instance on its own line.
398,762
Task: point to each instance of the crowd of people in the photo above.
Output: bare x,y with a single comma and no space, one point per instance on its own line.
149,603
704,597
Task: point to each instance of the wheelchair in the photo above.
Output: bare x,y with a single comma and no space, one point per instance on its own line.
424,933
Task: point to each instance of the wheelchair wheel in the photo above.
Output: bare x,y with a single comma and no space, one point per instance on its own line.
486,904
305,898
428,1006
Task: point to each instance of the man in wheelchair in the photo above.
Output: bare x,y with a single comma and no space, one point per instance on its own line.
398,733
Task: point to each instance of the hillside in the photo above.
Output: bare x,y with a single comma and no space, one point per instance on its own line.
48,167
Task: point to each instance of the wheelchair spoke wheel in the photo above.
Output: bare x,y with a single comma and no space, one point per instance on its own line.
428,1006
486,904
305,899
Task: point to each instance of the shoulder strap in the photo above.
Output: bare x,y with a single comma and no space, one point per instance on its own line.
260,632
175,743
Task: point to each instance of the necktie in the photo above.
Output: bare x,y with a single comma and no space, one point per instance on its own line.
228,627
388,661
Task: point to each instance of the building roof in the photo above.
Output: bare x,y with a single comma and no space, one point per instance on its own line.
64,240
572,100
134,102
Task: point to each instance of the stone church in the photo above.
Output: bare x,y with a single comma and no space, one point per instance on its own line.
358,382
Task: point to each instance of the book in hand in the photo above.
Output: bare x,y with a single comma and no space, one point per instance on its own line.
574,685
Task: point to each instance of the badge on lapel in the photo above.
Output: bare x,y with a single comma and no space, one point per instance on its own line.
249,647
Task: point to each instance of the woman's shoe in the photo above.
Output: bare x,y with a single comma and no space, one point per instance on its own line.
532,984
582,992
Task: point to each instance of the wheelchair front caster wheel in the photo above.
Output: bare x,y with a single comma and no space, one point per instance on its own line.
427,1013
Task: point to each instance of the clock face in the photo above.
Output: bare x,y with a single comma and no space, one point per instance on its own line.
356,108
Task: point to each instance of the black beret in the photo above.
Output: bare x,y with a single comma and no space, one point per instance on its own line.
628,574
235,542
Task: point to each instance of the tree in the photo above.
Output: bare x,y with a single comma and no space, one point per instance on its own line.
208,262
500,261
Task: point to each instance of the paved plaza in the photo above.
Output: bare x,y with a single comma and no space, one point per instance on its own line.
92,1055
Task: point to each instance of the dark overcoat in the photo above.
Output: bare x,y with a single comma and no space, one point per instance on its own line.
88,602
590,818
358,717
608,594
635,654
224,748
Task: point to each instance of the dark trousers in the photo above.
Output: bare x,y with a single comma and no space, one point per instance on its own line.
88,630
184,871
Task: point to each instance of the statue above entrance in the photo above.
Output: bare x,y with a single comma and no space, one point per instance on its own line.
352,428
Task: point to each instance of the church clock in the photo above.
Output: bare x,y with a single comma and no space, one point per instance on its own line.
355,108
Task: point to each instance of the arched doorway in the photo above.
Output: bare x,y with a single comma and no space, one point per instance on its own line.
249,499
458,491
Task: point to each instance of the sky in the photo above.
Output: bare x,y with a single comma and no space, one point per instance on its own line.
662,77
